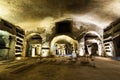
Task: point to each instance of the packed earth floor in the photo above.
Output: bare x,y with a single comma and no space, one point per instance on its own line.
60,69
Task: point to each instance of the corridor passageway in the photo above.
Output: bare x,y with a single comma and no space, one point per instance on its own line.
59,39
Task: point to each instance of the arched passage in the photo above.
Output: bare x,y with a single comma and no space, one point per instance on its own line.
33,45
63,45
92,37
89,38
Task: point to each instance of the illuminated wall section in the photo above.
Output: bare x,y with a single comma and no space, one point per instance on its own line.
62,38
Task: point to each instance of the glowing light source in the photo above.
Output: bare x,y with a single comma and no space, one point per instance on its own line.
18,58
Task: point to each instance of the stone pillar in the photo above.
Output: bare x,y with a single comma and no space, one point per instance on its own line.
64,52
24,48
11,51
38,49
33,51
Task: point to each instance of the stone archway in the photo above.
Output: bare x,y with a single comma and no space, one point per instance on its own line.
62,41
89,38
32,45
92,37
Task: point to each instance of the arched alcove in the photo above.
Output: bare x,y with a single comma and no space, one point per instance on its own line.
33,45
88,39
63,44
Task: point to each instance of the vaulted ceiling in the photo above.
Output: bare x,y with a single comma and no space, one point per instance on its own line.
29,14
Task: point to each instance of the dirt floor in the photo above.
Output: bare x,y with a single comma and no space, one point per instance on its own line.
60,69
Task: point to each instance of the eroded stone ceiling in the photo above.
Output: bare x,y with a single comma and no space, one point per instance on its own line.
31,14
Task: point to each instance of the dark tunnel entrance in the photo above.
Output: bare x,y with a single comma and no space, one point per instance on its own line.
116,42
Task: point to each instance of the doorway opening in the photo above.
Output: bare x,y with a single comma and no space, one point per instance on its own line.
63,45
33,48
90,38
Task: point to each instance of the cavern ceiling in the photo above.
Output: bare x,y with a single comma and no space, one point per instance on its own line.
31,14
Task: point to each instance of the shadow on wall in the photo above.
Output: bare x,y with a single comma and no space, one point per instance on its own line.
4,44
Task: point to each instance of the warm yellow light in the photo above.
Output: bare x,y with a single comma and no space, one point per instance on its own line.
33,52
45,52
18,58
3,11
81,53
64,38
